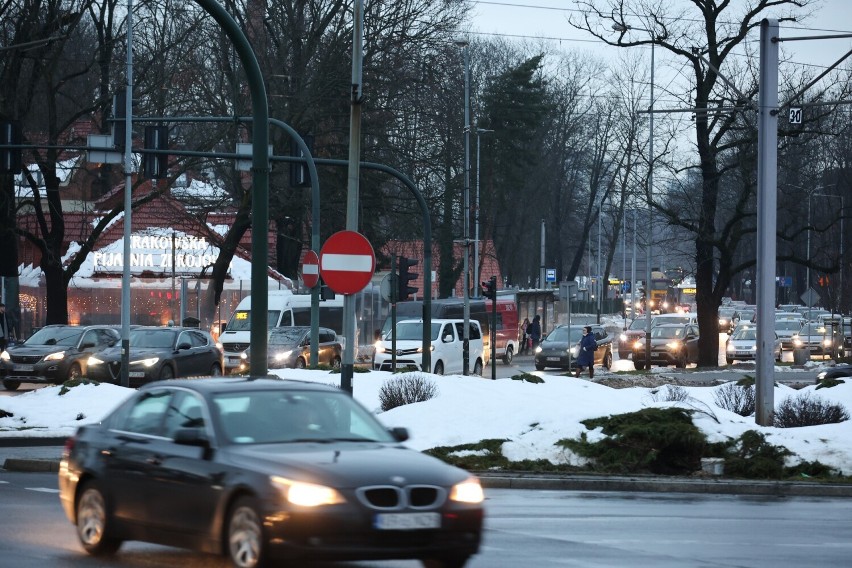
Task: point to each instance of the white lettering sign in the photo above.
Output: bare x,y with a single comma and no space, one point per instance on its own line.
154,252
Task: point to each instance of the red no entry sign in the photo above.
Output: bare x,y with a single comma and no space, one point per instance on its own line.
347,262
310,269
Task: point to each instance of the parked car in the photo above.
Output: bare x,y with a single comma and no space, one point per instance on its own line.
836,372
290,347
671,344
742,345
264,469
54,354
160,353
560,347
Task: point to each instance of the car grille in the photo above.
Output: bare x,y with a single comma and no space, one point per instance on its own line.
235,347
25,358
390,497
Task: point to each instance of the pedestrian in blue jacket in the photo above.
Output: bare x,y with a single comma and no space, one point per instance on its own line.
586,355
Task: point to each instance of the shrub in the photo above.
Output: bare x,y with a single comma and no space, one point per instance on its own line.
528,377
406,389
360,370
70,384
751,456
807,410
5,414
737,398
670,393
656,440
829,383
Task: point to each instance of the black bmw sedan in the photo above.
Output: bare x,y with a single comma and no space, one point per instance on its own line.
160,353
257,469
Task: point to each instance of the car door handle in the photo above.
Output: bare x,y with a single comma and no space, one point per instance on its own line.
154,460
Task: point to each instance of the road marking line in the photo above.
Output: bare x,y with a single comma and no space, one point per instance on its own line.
42,489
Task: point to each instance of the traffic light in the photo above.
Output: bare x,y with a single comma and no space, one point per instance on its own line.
299,174
489,289
10,158
155,166
404,291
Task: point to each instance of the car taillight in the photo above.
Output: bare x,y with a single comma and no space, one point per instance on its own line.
69,445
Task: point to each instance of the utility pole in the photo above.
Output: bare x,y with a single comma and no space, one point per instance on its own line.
352,195
466,212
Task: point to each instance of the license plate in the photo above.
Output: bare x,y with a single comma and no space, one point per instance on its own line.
407,521
234,361
553,358
743,352
136,374
23,367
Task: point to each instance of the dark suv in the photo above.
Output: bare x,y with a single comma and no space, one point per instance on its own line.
54,354
671,344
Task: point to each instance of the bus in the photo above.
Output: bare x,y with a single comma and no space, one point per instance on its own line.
660,284
681,297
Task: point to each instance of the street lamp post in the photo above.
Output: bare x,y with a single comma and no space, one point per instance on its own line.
466,213
808,268
623,28
479,131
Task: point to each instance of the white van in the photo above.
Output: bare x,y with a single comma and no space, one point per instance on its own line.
447,345
284,309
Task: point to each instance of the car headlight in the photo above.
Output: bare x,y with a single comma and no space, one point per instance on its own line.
827,342
150,361
639,344
4,356
94,361
431,348
573,351
306,494
797,342
820,376
622,337
754,347
538,349
55,356
674,345
469,491
244,356
283,355
380,348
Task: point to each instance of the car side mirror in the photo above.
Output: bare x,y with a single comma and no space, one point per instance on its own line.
184,345
447,339
399,434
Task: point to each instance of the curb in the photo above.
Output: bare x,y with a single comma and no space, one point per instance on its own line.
656,484
31,465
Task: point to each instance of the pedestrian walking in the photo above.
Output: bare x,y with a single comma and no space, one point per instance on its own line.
534,331
586,355
524,338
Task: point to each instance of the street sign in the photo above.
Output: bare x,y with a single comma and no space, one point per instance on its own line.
795,115
347,262
550,275
385,287
310,269
810,298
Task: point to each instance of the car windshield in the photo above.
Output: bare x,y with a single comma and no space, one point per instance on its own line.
664,320
746,315
788,325
565,335
67,336
241,320
413,331
814,329
726,313
665,332
639,323
286,335
748,333
152,338
266,417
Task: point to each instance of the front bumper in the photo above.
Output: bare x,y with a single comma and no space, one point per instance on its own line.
404,359
110,372
661,357
49,372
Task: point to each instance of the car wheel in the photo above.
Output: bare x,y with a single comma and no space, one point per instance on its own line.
93,522
681,363
449,562
729,360
780,354
539,367
300,363
166,373
75,373
510,354
439,368
639,366
335,363
11,385
607,361
245,535
477,367
215,370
